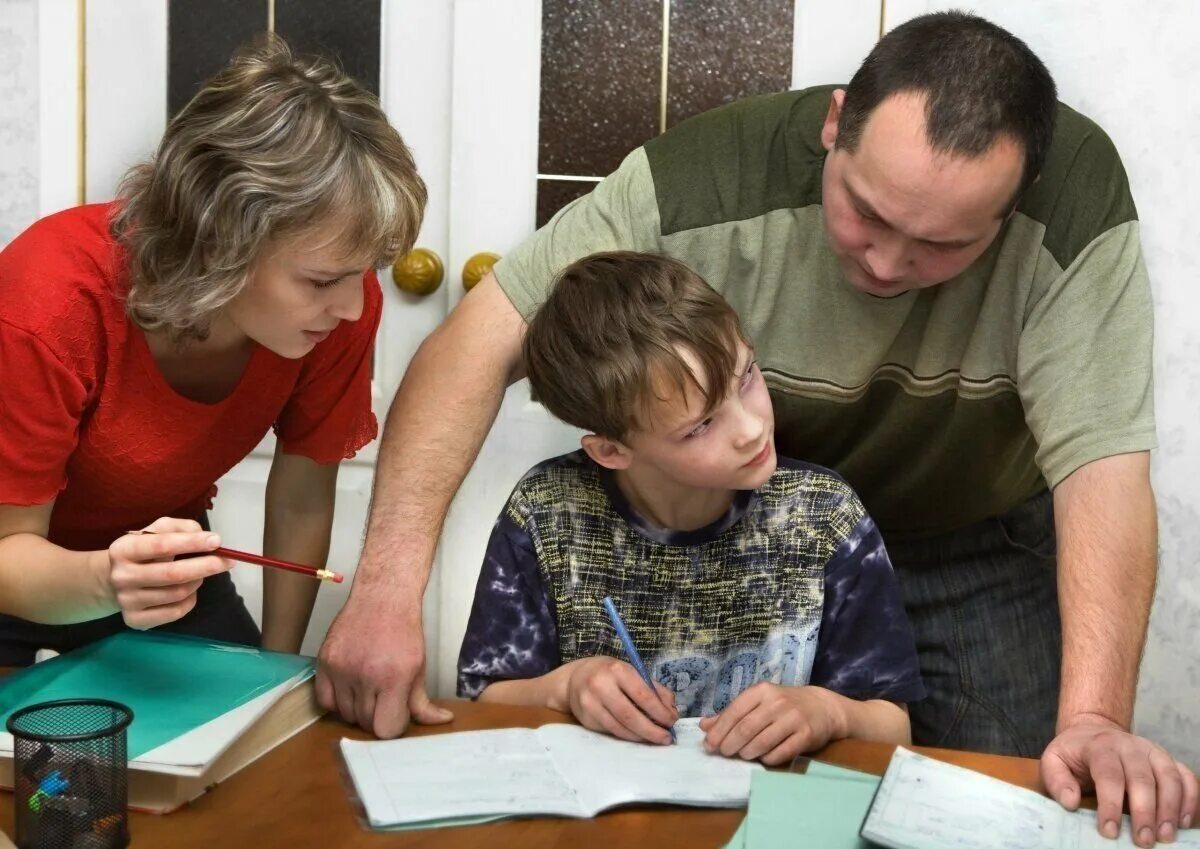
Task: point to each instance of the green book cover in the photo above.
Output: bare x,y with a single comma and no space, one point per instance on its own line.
172,683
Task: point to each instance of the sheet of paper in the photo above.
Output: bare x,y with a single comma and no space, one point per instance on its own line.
823,807
467,774
608,772
926,804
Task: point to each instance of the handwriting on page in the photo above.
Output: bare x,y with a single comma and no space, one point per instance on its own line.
926,804
609,772
919,806
457,775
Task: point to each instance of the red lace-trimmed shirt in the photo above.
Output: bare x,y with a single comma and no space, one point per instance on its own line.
87,417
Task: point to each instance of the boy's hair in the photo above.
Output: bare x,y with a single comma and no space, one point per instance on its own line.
607,337
269,147
979,80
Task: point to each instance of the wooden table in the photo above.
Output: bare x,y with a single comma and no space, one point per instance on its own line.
296,797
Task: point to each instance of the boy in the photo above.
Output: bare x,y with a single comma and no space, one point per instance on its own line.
758,590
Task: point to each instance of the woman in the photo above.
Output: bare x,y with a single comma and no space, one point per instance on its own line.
148,345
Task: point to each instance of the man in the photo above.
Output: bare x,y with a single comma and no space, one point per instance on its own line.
940,270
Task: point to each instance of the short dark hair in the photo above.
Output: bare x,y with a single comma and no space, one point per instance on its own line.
980,82
609,334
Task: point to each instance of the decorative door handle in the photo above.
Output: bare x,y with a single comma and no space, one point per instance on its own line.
477,267
418,272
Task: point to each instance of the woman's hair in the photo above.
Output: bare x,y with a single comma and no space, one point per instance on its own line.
270,147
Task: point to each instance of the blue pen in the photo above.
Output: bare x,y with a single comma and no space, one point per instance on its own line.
630,650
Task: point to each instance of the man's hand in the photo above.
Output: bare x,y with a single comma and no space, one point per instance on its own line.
371,669
774,723
606,694
1095,752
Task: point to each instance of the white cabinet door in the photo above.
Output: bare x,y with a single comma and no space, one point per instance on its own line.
125,61
415,93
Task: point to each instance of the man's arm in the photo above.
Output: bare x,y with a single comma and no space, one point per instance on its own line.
299,518
371,667
1107,554
1107,561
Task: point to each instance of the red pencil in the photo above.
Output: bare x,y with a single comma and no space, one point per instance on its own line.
259,560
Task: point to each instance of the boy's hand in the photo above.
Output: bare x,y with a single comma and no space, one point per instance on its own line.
774,723
606,694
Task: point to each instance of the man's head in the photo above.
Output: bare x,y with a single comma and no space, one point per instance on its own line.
638,350
943,126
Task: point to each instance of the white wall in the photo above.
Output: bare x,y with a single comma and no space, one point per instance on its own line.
1134,68
19,124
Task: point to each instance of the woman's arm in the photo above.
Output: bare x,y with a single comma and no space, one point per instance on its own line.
299,519
43,582
136,575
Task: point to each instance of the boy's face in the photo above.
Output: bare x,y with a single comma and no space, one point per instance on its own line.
733,447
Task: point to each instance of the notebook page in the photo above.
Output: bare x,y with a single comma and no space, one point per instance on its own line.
607,772
466,774
1089,838
926,804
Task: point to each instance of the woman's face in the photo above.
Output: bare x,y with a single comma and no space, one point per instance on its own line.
300,289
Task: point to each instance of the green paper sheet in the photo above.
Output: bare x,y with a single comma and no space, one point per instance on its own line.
172,683
822,808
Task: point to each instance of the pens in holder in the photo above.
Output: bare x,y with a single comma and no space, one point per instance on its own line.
631,651
259,560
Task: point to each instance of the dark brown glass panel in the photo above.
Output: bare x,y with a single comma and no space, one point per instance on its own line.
553,195
723,50
601,71
201,36
348,30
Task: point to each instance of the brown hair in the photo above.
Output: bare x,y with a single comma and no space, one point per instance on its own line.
270,147
610,331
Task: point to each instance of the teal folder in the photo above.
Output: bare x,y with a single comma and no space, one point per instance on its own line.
172,683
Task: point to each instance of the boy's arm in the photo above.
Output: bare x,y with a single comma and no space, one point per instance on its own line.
775,723
873,719
512,634
865,648
548,691
603,693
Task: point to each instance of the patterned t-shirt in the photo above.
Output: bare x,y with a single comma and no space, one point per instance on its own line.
792,585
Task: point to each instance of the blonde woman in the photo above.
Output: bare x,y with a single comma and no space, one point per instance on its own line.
148,344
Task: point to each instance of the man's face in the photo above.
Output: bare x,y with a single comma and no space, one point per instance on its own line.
902,216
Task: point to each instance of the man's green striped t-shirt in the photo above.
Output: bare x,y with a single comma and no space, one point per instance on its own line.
940,406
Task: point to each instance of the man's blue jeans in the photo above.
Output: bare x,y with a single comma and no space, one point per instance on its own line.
983,601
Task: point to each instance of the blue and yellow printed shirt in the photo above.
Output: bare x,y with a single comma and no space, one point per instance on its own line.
791,586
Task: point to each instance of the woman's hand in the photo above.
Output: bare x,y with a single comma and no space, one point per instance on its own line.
148,582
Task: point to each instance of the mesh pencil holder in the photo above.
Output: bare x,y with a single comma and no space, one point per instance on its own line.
70,774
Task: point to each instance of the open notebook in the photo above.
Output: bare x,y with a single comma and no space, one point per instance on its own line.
202,709
923,803
556,770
